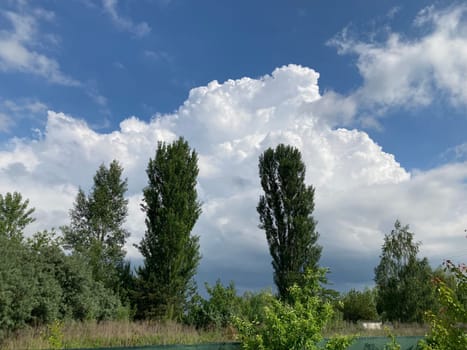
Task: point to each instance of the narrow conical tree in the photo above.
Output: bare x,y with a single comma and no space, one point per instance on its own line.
170,251
285,213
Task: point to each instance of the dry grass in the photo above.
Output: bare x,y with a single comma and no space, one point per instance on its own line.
115,333
124,333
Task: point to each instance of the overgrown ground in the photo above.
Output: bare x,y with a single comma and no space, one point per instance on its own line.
121,333
111,334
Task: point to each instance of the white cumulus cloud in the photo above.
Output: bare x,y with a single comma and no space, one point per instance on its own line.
360,189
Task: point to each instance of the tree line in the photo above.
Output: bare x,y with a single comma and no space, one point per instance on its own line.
81,273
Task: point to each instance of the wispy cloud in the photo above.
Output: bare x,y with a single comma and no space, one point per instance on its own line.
91,89
95,95
25,105
13,111
19,46
5,122
393,11
118,65
157,55
456,153
124,23
399,72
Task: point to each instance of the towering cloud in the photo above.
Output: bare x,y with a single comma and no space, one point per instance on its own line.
360,189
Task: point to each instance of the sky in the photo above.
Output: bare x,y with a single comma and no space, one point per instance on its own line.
373,94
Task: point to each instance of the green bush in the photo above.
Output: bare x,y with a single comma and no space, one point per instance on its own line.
40,284
253,305
216,311
447,326
18,286
296,325
356,306
83,297
223,304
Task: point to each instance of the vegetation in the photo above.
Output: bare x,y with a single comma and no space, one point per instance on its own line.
40,284
91,334
295,325
171,253
217,311
448,325
359,306
76,289
223,305
14,216
285,214
96,230
403,280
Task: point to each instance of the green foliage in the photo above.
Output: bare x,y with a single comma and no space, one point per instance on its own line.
297,324
96,229
223,304
253,304
356,305
126,283
392,344
19,281
54,335
66,287
83,297
46,256
402,280
18,286
285,214
217,311
14,215
448,324
40,284
340,342
171,253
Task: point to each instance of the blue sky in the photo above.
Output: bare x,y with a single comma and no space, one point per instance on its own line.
372,92
183,44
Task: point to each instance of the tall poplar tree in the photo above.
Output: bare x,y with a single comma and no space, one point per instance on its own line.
285,213
96,229
170,251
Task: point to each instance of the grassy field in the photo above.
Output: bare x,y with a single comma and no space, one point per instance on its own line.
109,334
121,333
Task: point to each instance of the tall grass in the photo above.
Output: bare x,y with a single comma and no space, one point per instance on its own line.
114,333
124,333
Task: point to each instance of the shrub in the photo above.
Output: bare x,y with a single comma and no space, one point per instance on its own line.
217,311
448,324
297,324
358,306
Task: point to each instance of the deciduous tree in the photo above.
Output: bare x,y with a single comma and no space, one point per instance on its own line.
14,215
170,251
358,305
96,229
402,280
